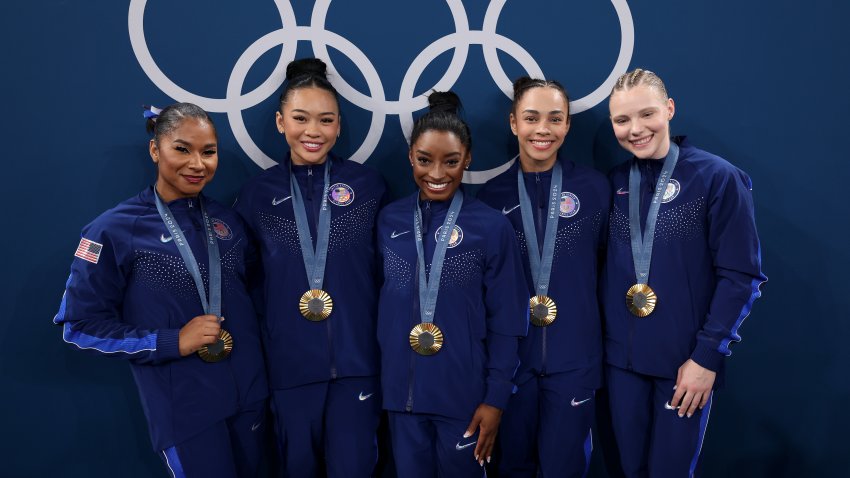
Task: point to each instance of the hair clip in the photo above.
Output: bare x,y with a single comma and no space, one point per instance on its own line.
151,111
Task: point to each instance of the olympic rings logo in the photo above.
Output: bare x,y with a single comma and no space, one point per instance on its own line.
290,34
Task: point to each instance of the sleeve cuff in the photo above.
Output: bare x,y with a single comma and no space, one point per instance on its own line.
498,394
167,345
707,357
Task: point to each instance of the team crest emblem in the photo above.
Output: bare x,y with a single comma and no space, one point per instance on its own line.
341,194
222,230
673,188
569,205
456,237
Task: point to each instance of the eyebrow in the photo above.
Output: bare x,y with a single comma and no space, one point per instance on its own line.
426,153
320,114
181,141
553,112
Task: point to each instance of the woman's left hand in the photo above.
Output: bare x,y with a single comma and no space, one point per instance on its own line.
486,419
693,388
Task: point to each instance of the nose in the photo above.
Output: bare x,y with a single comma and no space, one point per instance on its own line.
542,128
437,171
312,129
635,128
196,162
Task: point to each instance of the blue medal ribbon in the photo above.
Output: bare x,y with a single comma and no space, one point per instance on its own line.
429,287
642,247
541,265
314,259
213,306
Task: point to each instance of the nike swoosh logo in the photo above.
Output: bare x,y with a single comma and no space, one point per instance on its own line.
574,403
255,426
669,407
459,447
621,192
276,201
508,211
365,397
394,234
165,239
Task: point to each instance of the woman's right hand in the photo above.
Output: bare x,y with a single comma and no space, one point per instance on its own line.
200,331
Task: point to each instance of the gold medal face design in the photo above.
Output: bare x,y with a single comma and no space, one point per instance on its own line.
641,300
426,338
219,350
542,310
316,305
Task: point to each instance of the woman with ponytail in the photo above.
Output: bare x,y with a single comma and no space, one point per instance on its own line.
313,216
559,210
450,314
152,282
669,328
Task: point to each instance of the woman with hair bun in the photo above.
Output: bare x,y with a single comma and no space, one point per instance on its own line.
313,216
450,314
559,211
669,328
152,282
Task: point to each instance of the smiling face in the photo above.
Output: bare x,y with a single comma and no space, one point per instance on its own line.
186,159
310,122
540,122
438,159
641,120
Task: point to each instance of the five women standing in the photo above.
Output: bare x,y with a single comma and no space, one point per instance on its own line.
457,292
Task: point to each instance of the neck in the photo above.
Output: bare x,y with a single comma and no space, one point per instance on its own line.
168,196
529,165
300,162
662,153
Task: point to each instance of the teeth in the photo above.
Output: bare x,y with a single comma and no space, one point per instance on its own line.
642,141
541,143
311,145
437,185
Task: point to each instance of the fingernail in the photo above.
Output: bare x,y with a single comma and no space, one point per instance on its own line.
488,459
481,462
674,387
681,415
467,435
476,457
689,415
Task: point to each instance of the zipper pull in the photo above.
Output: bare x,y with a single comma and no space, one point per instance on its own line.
191,203
309,170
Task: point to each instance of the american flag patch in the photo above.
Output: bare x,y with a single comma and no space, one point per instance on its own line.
88,250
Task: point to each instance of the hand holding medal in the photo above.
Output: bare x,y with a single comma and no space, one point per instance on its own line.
203,333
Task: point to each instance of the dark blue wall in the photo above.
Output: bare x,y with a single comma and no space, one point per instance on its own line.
763,84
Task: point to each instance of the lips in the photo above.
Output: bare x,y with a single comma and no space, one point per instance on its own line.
541,144
311,147
437,186
193,179
641,142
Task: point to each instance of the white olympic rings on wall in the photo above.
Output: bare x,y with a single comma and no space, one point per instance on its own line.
288,36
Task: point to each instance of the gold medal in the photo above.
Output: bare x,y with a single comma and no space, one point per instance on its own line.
542,310
426,338
641,299
316,305
219,350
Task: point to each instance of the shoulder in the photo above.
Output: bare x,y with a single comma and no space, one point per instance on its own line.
712,169
362,180
497,188
225,220
396,209
119,220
